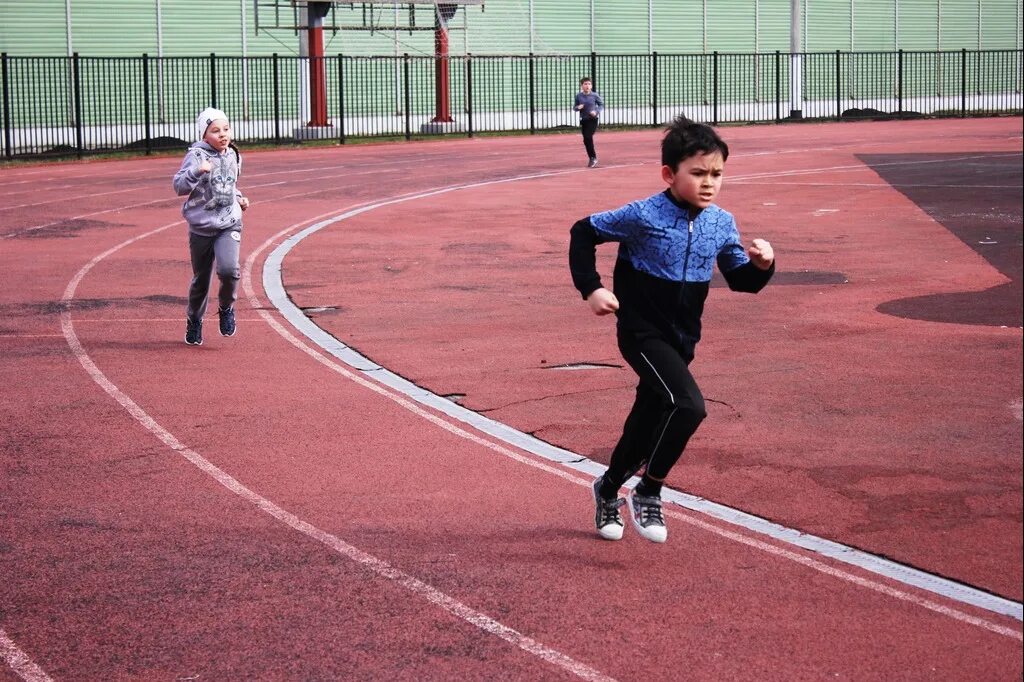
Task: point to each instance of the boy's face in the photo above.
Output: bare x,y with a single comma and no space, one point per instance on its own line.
218,135
697,179
586,87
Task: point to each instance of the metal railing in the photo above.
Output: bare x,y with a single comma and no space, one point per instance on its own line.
83,105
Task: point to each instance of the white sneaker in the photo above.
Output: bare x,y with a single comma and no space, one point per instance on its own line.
606,516
647,518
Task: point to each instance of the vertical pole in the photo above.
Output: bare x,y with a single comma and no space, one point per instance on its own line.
839,105
213,80
76,77
593,70
341,99
533,101
778,85
654,88
8,147
963,82
714,86
442,83
795,62
277,100
146,103
405,71
317,74
469,96
245,59
899,79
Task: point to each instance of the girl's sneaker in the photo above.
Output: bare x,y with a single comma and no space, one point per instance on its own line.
227,321
193,332
607,516
647,517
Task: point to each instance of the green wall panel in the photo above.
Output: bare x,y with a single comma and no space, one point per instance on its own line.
500,28
828,25
679,26
996,31
731,26
773,26
919,25
193,28
33,28
621,27
958,24
874,25
561,27
121,28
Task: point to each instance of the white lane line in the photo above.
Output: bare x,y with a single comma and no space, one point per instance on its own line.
368,561
274,288
19,662
175,199
64,199
810,562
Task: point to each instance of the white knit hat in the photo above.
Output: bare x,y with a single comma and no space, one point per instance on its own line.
205,118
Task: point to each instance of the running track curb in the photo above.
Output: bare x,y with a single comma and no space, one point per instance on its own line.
273,285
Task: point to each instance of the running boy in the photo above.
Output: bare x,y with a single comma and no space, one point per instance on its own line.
668,245
213,210
590,105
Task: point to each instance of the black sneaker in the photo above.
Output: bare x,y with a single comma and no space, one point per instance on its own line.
193,332
227,321
647,517
606,516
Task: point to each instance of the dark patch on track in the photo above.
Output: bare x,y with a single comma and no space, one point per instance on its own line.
318,311
58,307
85,304
164,298
65,229
476,247
977,197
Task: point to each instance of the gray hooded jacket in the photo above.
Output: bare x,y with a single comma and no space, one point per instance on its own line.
212,204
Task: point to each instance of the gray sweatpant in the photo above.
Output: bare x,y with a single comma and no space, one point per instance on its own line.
222,249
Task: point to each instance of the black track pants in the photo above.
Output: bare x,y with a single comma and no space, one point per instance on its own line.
668,409
589,127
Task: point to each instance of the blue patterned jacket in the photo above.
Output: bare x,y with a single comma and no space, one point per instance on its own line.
667,254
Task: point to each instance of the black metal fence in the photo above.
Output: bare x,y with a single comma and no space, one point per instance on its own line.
81,105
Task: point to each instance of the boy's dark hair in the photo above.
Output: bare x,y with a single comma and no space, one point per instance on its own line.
585,79
685,138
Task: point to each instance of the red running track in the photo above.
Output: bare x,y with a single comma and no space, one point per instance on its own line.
253,509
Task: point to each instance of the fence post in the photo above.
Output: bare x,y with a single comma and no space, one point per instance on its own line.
963,82
77,80
469,95
839,105
533,101
213,80
405,72
8,147
593,70
778,85
654,88
146,104
714,87
899,79
341,99
277,100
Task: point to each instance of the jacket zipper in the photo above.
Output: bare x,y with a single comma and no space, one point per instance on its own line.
682,284
689,239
